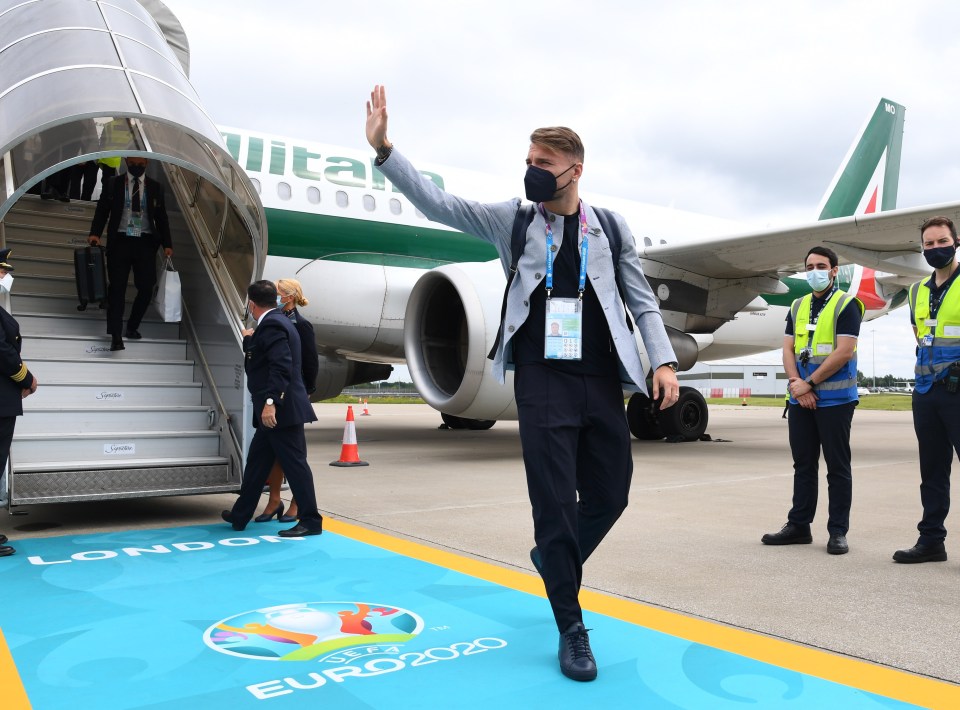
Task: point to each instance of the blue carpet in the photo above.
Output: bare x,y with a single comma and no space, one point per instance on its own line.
202,617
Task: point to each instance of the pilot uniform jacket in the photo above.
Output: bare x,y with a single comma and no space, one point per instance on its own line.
272,360
15,375
494,223
111,204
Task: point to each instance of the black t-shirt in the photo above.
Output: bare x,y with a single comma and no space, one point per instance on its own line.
599,357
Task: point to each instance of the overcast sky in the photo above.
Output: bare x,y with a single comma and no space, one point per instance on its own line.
740,109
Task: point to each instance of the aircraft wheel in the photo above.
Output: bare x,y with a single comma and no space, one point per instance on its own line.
641,419
480,424
453,422
687,419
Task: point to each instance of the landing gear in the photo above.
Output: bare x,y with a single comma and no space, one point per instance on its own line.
454,422
684,421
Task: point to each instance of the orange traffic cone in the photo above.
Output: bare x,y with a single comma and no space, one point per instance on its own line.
349,453
743,402
366,412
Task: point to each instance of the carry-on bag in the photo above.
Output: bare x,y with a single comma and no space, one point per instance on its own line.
90,271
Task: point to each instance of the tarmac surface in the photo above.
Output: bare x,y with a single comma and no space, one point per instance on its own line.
688,542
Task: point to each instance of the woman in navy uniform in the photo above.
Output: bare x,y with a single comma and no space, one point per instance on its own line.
16,381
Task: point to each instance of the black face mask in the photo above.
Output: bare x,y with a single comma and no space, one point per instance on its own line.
541,185
136,170
940,257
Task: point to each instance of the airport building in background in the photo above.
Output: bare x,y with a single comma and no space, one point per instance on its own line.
762,378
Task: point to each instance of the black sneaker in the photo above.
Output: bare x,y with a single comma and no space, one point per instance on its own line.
922,553
837,545
537,563
790,534
576,658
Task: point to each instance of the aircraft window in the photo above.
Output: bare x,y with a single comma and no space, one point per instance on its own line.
283,189
313,196
369,204
395,206
256,184
663,241
343,200
647,241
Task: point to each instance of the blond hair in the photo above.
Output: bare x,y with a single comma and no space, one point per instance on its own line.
291,287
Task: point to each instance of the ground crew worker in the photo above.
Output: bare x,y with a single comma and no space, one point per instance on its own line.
935,314
116,135
819,356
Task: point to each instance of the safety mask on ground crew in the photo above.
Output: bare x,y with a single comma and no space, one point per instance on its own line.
6,284
541,185
818,279
940,257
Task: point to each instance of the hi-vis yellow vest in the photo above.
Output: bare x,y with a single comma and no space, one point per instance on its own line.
841,386
939,345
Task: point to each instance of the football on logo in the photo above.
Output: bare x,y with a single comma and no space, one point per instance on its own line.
308,630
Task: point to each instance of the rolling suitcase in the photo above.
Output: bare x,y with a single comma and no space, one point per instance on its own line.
90,270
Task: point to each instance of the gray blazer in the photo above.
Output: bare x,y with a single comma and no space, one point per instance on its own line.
494,223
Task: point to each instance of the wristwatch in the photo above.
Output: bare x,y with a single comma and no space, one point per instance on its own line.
383,152
809,381
270,401
672,365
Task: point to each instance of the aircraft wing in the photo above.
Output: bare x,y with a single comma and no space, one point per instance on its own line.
704,284
885,241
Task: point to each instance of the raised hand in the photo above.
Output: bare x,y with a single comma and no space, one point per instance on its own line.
377,117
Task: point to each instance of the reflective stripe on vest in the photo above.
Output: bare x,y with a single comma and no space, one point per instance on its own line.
944,348
843,383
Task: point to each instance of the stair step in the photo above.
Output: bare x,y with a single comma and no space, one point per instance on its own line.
112,446
55,483
62,304
109,393
111,369
33,248
62,285
89,322
49,420
95,346
58,265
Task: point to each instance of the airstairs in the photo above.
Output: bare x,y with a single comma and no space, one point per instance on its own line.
102,424
82,80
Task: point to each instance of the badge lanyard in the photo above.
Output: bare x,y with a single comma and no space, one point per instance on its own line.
583,250
563,337
135,221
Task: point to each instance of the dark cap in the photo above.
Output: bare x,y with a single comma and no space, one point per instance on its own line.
4,258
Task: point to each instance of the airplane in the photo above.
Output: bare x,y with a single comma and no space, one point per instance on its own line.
387,286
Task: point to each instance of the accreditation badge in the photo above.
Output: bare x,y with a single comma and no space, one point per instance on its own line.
563,336
135,225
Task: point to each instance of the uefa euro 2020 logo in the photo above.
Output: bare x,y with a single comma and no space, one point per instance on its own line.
309,630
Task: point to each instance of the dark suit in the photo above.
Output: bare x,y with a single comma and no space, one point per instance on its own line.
125,253
308,349
14,378
273,362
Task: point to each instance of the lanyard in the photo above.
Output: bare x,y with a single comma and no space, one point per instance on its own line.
814,319
583,250
126,194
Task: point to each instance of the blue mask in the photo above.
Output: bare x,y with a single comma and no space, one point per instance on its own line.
279,300
940,257
818,279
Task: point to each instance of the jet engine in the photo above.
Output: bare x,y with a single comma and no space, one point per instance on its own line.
451,322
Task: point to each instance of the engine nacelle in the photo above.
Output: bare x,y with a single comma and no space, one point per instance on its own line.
450,325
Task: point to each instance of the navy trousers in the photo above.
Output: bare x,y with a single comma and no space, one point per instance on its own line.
575,439
936,420
288,445
826,428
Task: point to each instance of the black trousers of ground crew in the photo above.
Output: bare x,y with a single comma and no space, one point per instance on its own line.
936,419
811,430
575,439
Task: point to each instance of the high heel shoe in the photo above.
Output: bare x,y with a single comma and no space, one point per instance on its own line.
287,518
265,517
